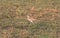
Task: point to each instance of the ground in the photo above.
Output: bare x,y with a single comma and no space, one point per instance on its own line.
14,23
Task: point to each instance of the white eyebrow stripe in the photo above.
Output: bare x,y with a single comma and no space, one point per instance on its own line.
30,19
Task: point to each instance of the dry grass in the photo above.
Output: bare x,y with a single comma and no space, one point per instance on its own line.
14,23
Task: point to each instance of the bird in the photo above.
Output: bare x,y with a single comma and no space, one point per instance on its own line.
30,19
